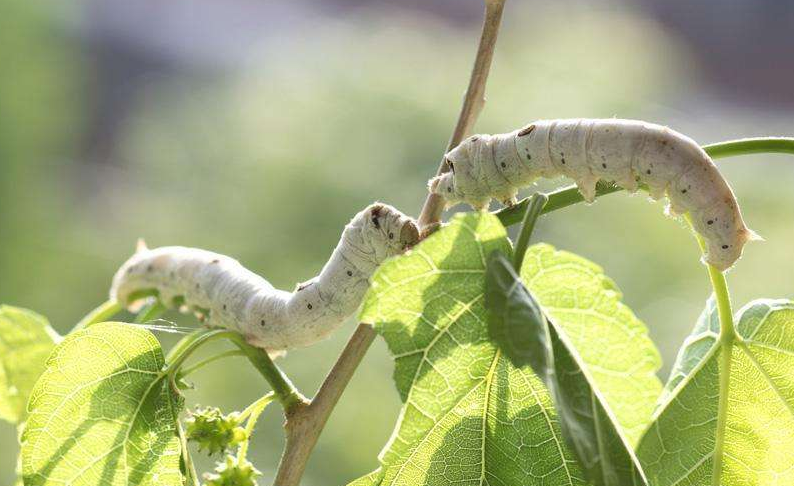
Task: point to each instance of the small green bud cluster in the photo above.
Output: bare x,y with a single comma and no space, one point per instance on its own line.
233,472
213,431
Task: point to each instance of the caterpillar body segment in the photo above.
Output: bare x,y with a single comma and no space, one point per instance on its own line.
232,297
627,152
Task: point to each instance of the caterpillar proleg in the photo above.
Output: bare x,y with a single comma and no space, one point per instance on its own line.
232,297
485,167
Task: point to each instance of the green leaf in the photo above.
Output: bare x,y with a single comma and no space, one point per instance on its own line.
26,340
702,338
470,416
466,403
687,446
604,454
18,469
371,479
612,343
103,413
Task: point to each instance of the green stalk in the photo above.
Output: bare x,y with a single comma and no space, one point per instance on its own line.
746,146
726,337
253,412
191,477
286,392
105,311
189,344
204,362
536,203
150,312
721,294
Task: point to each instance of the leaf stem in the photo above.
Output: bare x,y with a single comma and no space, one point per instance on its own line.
253,411
726,337
287,394
721,294
568,196
105,311
151,311
189,344
204,362
191,477
536,203
746,146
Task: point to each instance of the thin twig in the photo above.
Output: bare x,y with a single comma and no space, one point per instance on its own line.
472,105
304,424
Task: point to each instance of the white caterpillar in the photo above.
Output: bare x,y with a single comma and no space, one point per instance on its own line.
485,167
230,296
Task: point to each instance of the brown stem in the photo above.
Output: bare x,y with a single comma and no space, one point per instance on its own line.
472,105
306,421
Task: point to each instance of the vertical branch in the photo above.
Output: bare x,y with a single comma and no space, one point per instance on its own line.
304,423
473,103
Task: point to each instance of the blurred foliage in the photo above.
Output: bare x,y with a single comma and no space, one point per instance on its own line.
267,163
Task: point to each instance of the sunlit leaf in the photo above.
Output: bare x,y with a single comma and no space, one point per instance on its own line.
471,415
371,479
26,340
103,413
743,432
697,344
586,421
611,341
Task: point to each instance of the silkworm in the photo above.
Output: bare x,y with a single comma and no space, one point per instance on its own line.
230,296
627,152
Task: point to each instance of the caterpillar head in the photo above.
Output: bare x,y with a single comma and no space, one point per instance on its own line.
460,184
397,231
722,253
444,186
125,282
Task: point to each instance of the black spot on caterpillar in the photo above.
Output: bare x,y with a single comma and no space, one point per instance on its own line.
669,163
226,294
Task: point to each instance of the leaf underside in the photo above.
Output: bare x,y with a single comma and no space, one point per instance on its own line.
26,340
757,446
470,416
103,413
604,454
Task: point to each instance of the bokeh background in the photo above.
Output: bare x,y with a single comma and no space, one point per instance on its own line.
257,128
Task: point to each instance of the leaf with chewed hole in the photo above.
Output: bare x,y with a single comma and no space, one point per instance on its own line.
103,413
741,433
26,340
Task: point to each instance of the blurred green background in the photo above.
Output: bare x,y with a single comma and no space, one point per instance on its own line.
257,129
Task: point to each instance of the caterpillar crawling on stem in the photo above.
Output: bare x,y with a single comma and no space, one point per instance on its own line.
627,152
228,295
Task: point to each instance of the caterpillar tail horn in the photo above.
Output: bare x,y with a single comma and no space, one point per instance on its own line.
140,246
